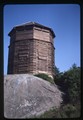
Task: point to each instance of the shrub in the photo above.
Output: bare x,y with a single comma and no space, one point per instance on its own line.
45,77
66,111
69,83
73,81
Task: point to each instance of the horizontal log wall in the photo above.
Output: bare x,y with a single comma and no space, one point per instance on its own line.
31,51
10,59
41,34
23,56
26,34
44,56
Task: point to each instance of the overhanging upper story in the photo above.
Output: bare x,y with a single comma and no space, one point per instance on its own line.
30,25
31,30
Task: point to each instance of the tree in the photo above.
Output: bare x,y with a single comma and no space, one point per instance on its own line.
57,76
69,83
73,80
56,71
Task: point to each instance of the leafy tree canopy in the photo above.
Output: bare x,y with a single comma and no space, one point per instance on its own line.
69,81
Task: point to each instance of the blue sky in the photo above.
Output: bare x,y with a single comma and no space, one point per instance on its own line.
64,19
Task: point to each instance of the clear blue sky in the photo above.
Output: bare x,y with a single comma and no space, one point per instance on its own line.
64,19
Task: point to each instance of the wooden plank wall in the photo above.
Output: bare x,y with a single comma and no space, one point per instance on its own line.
32,51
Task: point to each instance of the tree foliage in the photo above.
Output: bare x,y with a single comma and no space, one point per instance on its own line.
69,82
73,81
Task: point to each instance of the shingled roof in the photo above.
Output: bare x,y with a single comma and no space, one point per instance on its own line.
32,24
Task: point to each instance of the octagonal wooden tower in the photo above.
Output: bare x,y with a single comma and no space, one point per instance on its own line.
31,49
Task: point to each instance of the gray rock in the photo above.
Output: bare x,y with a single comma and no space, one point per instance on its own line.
26,96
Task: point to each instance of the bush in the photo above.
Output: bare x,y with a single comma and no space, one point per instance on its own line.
66,111
45,77
69,83
73,81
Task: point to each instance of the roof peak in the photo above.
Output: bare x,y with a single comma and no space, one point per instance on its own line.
31,23
25,23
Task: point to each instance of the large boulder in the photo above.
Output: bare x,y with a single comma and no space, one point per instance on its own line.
26,96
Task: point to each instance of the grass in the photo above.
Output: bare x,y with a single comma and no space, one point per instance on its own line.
45,77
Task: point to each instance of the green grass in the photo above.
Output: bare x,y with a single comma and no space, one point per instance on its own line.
45,77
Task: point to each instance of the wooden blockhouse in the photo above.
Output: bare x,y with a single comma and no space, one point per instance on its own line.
31,49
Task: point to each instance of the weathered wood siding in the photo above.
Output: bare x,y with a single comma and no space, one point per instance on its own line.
41,34
27,34
31,51
44,60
